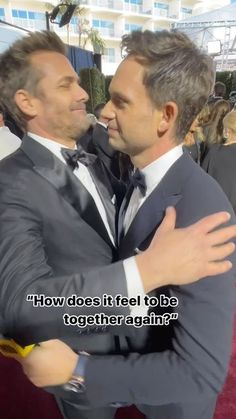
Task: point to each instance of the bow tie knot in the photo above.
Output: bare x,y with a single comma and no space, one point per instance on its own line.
73,156
138,181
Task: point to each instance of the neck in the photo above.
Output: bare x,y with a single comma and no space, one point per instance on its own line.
148,156
67,142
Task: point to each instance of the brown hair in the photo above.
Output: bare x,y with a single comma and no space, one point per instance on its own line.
175,70
17,72
213,129
204,115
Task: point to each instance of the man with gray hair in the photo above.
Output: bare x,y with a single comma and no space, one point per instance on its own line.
172,371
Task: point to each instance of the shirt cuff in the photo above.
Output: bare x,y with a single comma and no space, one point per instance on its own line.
134,286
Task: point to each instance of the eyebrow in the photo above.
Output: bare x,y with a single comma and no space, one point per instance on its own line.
69,79
119,96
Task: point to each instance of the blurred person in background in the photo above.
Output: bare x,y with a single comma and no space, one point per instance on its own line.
219,92
97,112
232,99
9,142
220,162
96,141
213,129
191,142
194,140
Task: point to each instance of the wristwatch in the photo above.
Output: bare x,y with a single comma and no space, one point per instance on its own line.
76,382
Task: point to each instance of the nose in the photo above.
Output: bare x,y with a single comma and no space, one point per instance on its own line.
108,113
81,94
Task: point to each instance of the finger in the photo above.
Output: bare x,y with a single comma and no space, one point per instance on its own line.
218,268
206,224
221,252
168,222
222,236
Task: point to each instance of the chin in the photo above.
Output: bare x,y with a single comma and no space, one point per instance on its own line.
80,130
116,144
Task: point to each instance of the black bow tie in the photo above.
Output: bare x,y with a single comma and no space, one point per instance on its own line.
73,156
138,181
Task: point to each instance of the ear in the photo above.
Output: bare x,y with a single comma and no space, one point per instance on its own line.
169,116
26,102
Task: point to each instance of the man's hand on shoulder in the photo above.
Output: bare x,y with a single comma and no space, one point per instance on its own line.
185,255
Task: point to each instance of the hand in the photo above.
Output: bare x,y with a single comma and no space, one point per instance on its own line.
185,255
52,363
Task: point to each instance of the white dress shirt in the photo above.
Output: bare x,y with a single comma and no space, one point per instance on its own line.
81,173
153,173
9,142
134,283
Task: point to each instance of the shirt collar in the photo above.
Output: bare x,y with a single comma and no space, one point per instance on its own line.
4,128
156,170
51,145
102,124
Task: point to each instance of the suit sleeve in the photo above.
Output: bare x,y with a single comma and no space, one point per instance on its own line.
24,270
195,364
195,367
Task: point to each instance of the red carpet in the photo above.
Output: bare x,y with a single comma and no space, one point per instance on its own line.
226,405
19,399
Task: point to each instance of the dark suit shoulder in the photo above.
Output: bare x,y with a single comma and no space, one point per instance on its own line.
16,161
201,195
15,171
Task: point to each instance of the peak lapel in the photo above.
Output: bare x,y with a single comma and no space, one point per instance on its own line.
146,221
105,190
67,184
151,213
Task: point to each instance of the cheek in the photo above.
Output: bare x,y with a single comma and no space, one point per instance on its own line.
53,109
144,128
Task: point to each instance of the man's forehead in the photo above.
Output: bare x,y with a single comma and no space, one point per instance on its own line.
52,63
129,72
41,55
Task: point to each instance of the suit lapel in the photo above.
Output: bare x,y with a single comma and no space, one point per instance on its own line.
151,213
146,221
105,190
66,183
122,211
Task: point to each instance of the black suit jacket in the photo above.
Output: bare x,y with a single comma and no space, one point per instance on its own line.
96,141
219,162
178,368
53,242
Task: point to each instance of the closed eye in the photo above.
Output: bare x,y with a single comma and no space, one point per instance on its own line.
65,85
119,102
